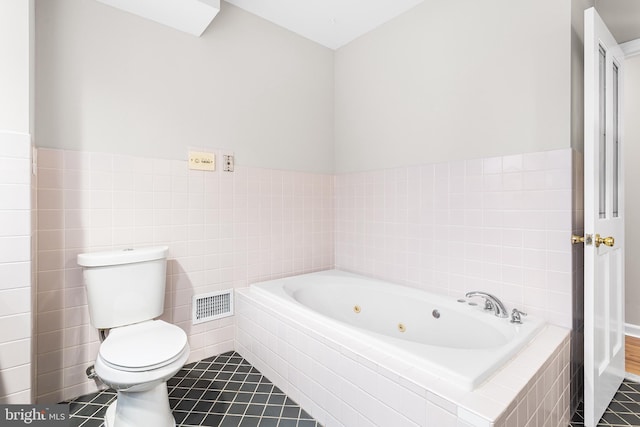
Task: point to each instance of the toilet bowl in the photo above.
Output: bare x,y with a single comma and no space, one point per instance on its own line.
125,293
137,360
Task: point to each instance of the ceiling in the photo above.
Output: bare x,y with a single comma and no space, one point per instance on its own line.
332,23
622,17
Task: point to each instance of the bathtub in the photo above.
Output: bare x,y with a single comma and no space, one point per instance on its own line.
334,340
458,342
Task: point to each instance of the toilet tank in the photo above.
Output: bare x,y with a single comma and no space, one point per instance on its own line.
125,286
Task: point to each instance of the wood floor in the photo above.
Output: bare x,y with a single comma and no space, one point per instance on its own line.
632,355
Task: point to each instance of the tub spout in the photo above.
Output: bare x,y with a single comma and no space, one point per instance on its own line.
490,302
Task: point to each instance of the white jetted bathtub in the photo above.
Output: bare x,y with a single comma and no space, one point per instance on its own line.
461,343
436,345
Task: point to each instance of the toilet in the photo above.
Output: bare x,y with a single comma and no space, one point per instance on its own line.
125,293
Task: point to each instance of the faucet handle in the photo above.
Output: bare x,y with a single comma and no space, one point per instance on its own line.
516,316
488,305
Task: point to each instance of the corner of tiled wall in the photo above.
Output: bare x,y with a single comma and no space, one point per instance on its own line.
577,332
34,271
224,230
15,268
545,399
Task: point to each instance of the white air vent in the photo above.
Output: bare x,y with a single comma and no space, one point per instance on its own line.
212,306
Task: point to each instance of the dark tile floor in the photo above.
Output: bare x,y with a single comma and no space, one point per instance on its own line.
226,391
223,390
624,409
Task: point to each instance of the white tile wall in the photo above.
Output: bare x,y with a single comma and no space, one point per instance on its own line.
15,268
224,230
343,385
496,224
499,224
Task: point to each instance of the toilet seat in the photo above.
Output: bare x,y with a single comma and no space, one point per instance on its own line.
143,346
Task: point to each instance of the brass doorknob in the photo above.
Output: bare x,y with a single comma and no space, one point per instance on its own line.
587,239
608,241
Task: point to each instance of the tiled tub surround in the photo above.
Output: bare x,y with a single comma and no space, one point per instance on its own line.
461,343
342,381
499,225
224,230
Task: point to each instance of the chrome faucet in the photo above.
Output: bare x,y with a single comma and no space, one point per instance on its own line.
490,303
516,316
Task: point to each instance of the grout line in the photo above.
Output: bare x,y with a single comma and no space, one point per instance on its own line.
231,364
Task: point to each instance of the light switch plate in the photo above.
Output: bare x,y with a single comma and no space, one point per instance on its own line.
202,161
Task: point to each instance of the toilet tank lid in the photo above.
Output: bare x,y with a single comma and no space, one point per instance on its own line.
122,256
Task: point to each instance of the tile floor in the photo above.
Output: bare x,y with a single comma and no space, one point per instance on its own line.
624,409
223,390
226,391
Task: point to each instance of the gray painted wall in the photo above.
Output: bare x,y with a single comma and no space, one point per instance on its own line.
16,49
455,80
109,81
632,188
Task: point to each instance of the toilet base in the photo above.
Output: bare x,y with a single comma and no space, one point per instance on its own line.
142,408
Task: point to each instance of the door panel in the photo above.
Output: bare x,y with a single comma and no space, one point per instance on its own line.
604,217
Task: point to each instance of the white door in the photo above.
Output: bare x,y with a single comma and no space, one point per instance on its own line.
604,217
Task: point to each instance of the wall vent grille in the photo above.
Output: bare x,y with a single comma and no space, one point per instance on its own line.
212,306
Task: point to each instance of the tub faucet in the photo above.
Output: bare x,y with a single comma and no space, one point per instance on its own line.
490,302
